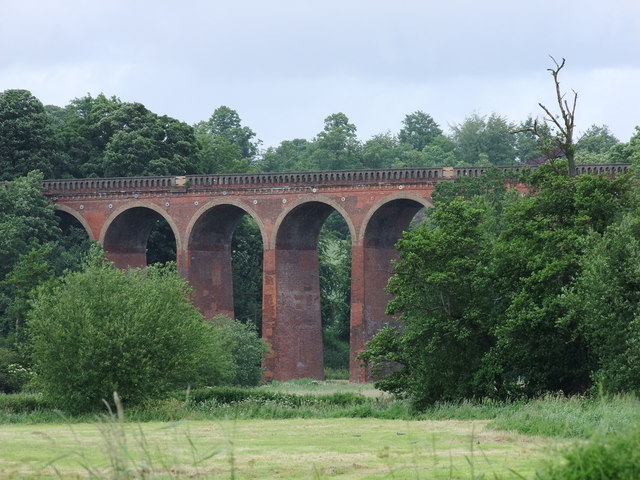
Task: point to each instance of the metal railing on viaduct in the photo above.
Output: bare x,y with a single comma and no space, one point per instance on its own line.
289,209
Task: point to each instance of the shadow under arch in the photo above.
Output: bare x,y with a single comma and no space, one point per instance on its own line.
295,332
323,205
378,211
209,257
383,226
125,234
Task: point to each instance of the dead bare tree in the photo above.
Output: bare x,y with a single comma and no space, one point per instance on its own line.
564,122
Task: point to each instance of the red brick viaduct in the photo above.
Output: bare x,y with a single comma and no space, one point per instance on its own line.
289,208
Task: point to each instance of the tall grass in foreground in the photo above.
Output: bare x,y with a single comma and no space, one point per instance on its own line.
573,417
555,416
132,456
604,457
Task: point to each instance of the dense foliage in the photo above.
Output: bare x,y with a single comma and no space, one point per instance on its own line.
135,332
34,247
507,295
104,136
614,457
247,350
28,140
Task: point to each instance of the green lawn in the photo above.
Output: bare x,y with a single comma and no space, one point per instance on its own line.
286,449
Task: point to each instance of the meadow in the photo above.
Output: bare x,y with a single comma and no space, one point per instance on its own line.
309,429
351,448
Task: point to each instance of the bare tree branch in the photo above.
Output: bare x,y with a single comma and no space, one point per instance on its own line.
565,122
553,118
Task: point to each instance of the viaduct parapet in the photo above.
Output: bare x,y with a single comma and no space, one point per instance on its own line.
289,208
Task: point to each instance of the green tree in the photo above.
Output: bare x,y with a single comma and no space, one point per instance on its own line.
597,139
31,270
108,137
246,348
633,149
534,142
418,130
161,244
603,306
481,288
380,151
220,155
28,140
336,147
34,246
481,140
289,156
334,255
135,332
27,219
440,152
85,135
535,258
595,145
443,297
490,186
144,143
226,123
225,145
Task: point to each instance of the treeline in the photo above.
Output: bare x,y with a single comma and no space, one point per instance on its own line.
505,295
102,136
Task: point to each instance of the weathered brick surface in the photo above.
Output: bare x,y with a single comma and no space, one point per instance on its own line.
290,218
289,209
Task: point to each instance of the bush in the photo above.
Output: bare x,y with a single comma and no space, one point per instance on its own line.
134,332
615,457
227,395
23,403
246,348
7,357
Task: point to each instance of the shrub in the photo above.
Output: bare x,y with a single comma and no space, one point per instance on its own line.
135,332
246,348
23,403
7,357
614,457
226,395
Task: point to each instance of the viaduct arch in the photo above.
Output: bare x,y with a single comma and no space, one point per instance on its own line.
289,208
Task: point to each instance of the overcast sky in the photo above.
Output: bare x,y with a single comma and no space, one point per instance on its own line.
285,65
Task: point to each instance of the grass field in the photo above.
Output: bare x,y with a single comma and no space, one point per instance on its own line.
315,387
282,449
309,429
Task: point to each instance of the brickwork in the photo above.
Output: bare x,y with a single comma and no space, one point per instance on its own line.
289,208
